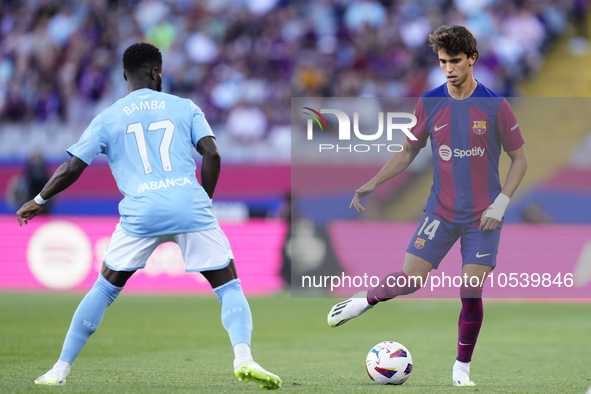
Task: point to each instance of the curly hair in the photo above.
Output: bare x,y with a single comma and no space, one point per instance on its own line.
454,40
139,55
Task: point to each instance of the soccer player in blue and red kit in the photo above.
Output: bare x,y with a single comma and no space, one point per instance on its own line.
148,137
467,124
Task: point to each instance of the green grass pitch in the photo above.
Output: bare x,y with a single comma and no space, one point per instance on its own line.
165,344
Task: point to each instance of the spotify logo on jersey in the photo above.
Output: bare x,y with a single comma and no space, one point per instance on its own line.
445,152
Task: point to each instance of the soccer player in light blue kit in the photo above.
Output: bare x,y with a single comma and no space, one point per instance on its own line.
148,137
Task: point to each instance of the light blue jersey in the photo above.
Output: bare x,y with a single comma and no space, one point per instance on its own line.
148,138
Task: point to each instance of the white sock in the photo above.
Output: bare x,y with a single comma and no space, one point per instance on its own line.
359,305
62,365
242,352
461,371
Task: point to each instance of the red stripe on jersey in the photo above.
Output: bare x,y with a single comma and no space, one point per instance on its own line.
509,128
442,134
479,131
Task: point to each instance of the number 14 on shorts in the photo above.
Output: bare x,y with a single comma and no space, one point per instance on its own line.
430,229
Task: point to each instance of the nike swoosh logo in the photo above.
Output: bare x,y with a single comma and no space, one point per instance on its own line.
465,344
439,128
478,255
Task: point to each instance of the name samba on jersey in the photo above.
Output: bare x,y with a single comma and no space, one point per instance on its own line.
144,105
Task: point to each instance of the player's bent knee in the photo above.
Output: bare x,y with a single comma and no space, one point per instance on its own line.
415,266
222,276
475,275
468,292
116,278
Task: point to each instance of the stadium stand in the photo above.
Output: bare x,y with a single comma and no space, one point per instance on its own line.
59,59
242,61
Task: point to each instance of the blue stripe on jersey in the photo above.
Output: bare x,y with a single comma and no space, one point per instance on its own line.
462,175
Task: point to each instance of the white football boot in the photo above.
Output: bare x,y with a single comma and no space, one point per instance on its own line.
347,310
53,377
247,370
461,374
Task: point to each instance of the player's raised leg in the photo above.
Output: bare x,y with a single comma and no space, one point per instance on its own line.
470,321
85,322
414,273
237,320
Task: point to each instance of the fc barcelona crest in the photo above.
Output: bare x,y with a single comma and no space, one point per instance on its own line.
479,127
420,243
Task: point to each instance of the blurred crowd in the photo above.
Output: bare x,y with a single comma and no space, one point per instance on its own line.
242,60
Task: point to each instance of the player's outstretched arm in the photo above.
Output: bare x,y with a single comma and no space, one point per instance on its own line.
210,167
397,163
515,175
64,176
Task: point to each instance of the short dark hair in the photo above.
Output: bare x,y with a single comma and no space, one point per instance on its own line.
139,55
454,40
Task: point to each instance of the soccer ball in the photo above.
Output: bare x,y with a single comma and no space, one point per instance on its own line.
389,363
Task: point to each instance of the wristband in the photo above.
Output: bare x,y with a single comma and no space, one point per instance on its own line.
39,200
497,208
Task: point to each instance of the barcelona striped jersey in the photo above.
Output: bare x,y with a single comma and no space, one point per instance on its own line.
466,140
